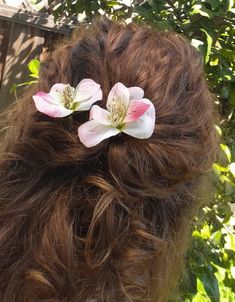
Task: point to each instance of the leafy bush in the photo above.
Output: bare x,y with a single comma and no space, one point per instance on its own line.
210,26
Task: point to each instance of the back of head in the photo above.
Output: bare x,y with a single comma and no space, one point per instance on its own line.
107,223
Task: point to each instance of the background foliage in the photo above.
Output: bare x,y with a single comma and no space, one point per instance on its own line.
210,26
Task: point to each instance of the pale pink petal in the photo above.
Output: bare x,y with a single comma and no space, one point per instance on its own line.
58,87
86,104
100,115
44,103
118,92
45,96
86,90
92,133
136,93
144,126
135,110
56,92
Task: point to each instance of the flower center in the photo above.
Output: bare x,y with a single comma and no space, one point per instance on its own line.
118,112
68,96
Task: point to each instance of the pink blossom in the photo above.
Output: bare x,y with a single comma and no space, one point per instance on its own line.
127,111
63,99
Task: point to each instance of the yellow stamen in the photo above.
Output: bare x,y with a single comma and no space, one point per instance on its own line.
118,111
68,96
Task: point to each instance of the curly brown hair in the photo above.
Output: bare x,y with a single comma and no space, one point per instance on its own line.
108,223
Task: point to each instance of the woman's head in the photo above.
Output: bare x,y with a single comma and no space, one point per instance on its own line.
110,222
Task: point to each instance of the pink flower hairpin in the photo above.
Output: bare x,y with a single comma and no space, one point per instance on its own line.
127,111
63,99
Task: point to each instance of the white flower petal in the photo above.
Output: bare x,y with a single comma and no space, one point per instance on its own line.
86,104
100,115
119,93
56,92
92,133
136,93
144,126
44,103
86,90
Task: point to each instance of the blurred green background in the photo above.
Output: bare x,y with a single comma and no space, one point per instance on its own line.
210,26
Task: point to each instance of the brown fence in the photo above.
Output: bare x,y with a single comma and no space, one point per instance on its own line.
23,34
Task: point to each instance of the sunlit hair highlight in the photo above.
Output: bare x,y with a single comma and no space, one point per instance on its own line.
108,223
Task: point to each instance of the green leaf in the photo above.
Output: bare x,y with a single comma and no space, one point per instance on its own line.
220,272
215,238
225,179
226,151
205,231
214,61
201,10
201,293
34,66
230,242
209,44
27,83
144,12
32,75
220,168
230,5
112,3
210,283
